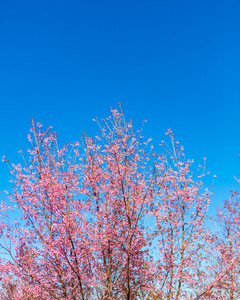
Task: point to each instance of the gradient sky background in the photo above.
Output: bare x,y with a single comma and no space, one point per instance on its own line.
174,63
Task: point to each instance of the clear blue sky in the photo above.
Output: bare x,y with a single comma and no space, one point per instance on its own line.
174,63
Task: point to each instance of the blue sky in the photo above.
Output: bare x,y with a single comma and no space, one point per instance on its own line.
174,63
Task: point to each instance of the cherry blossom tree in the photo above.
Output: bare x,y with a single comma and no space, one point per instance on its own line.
83,235
106,218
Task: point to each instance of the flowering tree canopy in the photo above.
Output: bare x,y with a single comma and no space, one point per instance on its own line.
110,218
